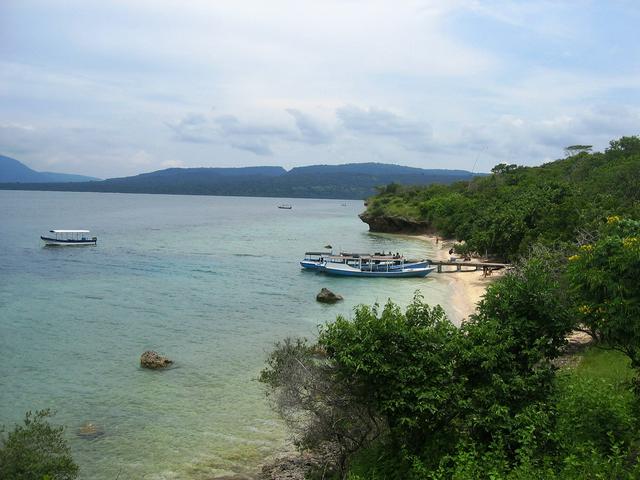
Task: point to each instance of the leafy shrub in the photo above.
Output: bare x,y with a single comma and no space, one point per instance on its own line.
604,276
36,450
592,412
401,365
320,409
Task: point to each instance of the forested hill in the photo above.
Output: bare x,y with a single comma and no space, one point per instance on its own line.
11,170
514,207
349,181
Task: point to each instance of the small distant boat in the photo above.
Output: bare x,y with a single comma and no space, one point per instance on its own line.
69,238
285,206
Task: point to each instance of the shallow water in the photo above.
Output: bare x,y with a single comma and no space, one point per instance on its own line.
212,282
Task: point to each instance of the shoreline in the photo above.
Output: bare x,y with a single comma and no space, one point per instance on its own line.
467,288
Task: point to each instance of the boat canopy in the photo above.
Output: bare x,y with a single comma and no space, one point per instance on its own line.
70,231
317,253
365,257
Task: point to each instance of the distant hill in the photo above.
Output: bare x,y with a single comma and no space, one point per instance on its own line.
11,170
349,181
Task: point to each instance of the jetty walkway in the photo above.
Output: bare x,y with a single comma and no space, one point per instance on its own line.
469,266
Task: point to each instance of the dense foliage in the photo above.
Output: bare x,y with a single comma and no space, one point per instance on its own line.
483,400
605,277
515,207
36,451
486,400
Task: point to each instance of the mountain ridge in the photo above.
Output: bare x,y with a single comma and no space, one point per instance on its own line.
347,181
12,170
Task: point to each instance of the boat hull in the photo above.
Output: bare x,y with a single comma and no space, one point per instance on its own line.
54,242
397,273
424,264
312,265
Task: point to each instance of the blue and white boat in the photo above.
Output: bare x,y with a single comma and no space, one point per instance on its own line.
69,238
374,266
314,260
365,265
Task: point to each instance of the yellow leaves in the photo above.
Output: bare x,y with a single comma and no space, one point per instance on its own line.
573,258
613,219
631,242
584,309
586,248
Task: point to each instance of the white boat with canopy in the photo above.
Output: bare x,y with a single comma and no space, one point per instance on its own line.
68,237
375,266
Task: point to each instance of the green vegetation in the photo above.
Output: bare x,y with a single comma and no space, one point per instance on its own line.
605,278
36,451
413,397
406,395
515,207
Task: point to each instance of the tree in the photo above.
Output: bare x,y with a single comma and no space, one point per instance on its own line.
625,145
604,277
575,149
504,168
520,325
36,450
401,365
319,408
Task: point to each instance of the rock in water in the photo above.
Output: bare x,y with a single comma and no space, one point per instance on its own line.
327,296
89,430
151,359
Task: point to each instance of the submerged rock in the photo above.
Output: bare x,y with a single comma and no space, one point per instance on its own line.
89,430
327,296
151,359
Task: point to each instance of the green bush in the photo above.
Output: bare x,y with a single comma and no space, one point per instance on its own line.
592,412
402,365
36,451
604,276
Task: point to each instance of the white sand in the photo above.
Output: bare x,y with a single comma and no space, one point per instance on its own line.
467,288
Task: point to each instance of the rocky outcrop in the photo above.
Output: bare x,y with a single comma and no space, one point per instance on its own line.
153,360
391,224
327,296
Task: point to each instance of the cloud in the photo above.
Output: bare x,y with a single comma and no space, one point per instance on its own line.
252,136
425,82
310,130
525,141
193,127
411,134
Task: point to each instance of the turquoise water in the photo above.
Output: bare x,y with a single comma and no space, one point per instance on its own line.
212,282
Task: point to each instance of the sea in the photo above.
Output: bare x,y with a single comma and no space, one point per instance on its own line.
211,282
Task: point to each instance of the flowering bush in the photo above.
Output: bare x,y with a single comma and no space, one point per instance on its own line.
606,279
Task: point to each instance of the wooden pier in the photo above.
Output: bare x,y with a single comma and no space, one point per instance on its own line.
470,266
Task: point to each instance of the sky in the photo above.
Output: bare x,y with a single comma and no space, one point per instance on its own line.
112,88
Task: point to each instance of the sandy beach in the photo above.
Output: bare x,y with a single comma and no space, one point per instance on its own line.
467,287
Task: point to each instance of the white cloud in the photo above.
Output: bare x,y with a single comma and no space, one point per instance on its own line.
424,82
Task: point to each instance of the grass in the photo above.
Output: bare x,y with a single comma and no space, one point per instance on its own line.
605,364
